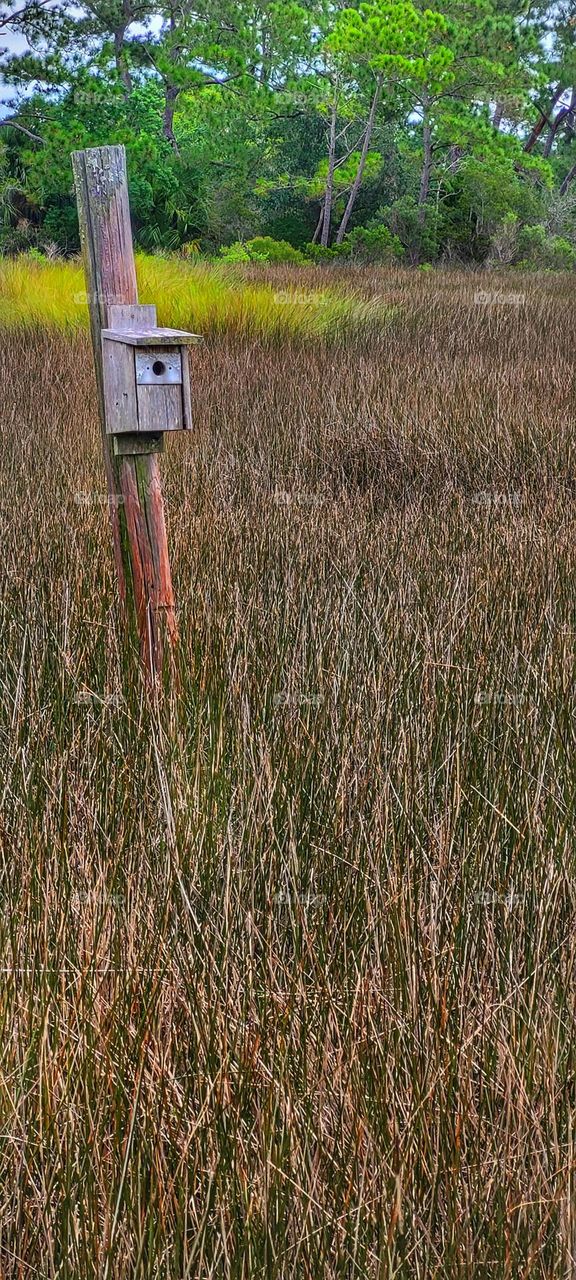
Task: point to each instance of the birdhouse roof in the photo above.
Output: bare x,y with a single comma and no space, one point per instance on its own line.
151,337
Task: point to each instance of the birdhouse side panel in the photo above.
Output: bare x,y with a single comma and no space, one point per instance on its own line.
120,402
186,392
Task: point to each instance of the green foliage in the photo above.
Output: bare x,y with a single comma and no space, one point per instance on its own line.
242,124
397,39
371,245
262,249
539,250
561,215
343,176
402,218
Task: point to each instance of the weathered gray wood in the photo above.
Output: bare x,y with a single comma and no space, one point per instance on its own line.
135,491
136,398
160,408
120,402
131,445
140,317
106,238
186,395
151,337
157,366
126,369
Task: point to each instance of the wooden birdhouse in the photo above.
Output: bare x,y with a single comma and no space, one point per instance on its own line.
145,375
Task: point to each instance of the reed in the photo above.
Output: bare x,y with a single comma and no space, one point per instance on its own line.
210,298
288,959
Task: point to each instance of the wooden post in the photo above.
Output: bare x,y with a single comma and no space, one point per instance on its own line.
134,485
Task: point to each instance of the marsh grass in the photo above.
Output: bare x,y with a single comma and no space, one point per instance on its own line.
198,296
288,958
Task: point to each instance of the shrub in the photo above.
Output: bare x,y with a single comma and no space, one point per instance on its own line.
318,253
372,244
504,242
402,218
236,252
538,249
563,254
561,218
262,249
35,255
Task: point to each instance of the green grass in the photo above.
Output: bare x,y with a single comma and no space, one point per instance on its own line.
196,296
288,957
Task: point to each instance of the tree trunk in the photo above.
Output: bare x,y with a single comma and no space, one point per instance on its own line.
498,115
263,74
567,180
426,174
171,93
319,224
551,135
329,192
543,121
565,117
361,163
561,118
120,59
570,121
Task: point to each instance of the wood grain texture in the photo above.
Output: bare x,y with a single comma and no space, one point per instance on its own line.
136,505
130,445
151,337
119,377
186,392
131,319
106,239
157,366
159,408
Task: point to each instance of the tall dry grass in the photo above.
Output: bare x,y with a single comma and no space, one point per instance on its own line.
288,960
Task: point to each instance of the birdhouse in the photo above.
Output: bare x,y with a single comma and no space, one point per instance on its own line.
145,374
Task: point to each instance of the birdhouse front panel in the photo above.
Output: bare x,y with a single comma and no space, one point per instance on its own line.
159,389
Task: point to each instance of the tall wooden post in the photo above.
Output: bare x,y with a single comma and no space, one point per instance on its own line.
134,484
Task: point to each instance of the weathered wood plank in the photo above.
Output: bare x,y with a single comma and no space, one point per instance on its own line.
130,445
186,397
110,277
156,366
119,388
151,337
160,408
139,318
136,506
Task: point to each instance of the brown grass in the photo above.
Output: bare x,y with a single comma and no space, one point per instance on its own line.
288,961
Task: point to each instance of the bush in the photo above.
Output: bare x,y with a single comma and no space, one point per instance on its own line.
402,219
561,218
563,254
317,252
372,244
504,243
262,249
538,249
35,256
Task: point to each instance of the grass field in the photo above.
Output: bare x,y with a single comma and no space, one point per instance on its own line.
288,960
200,296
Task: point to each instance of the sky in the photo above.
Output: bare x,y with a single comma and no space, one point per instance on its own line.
15,43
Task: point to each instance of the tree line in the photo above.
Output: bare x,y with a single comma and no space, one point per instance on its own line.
307,129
